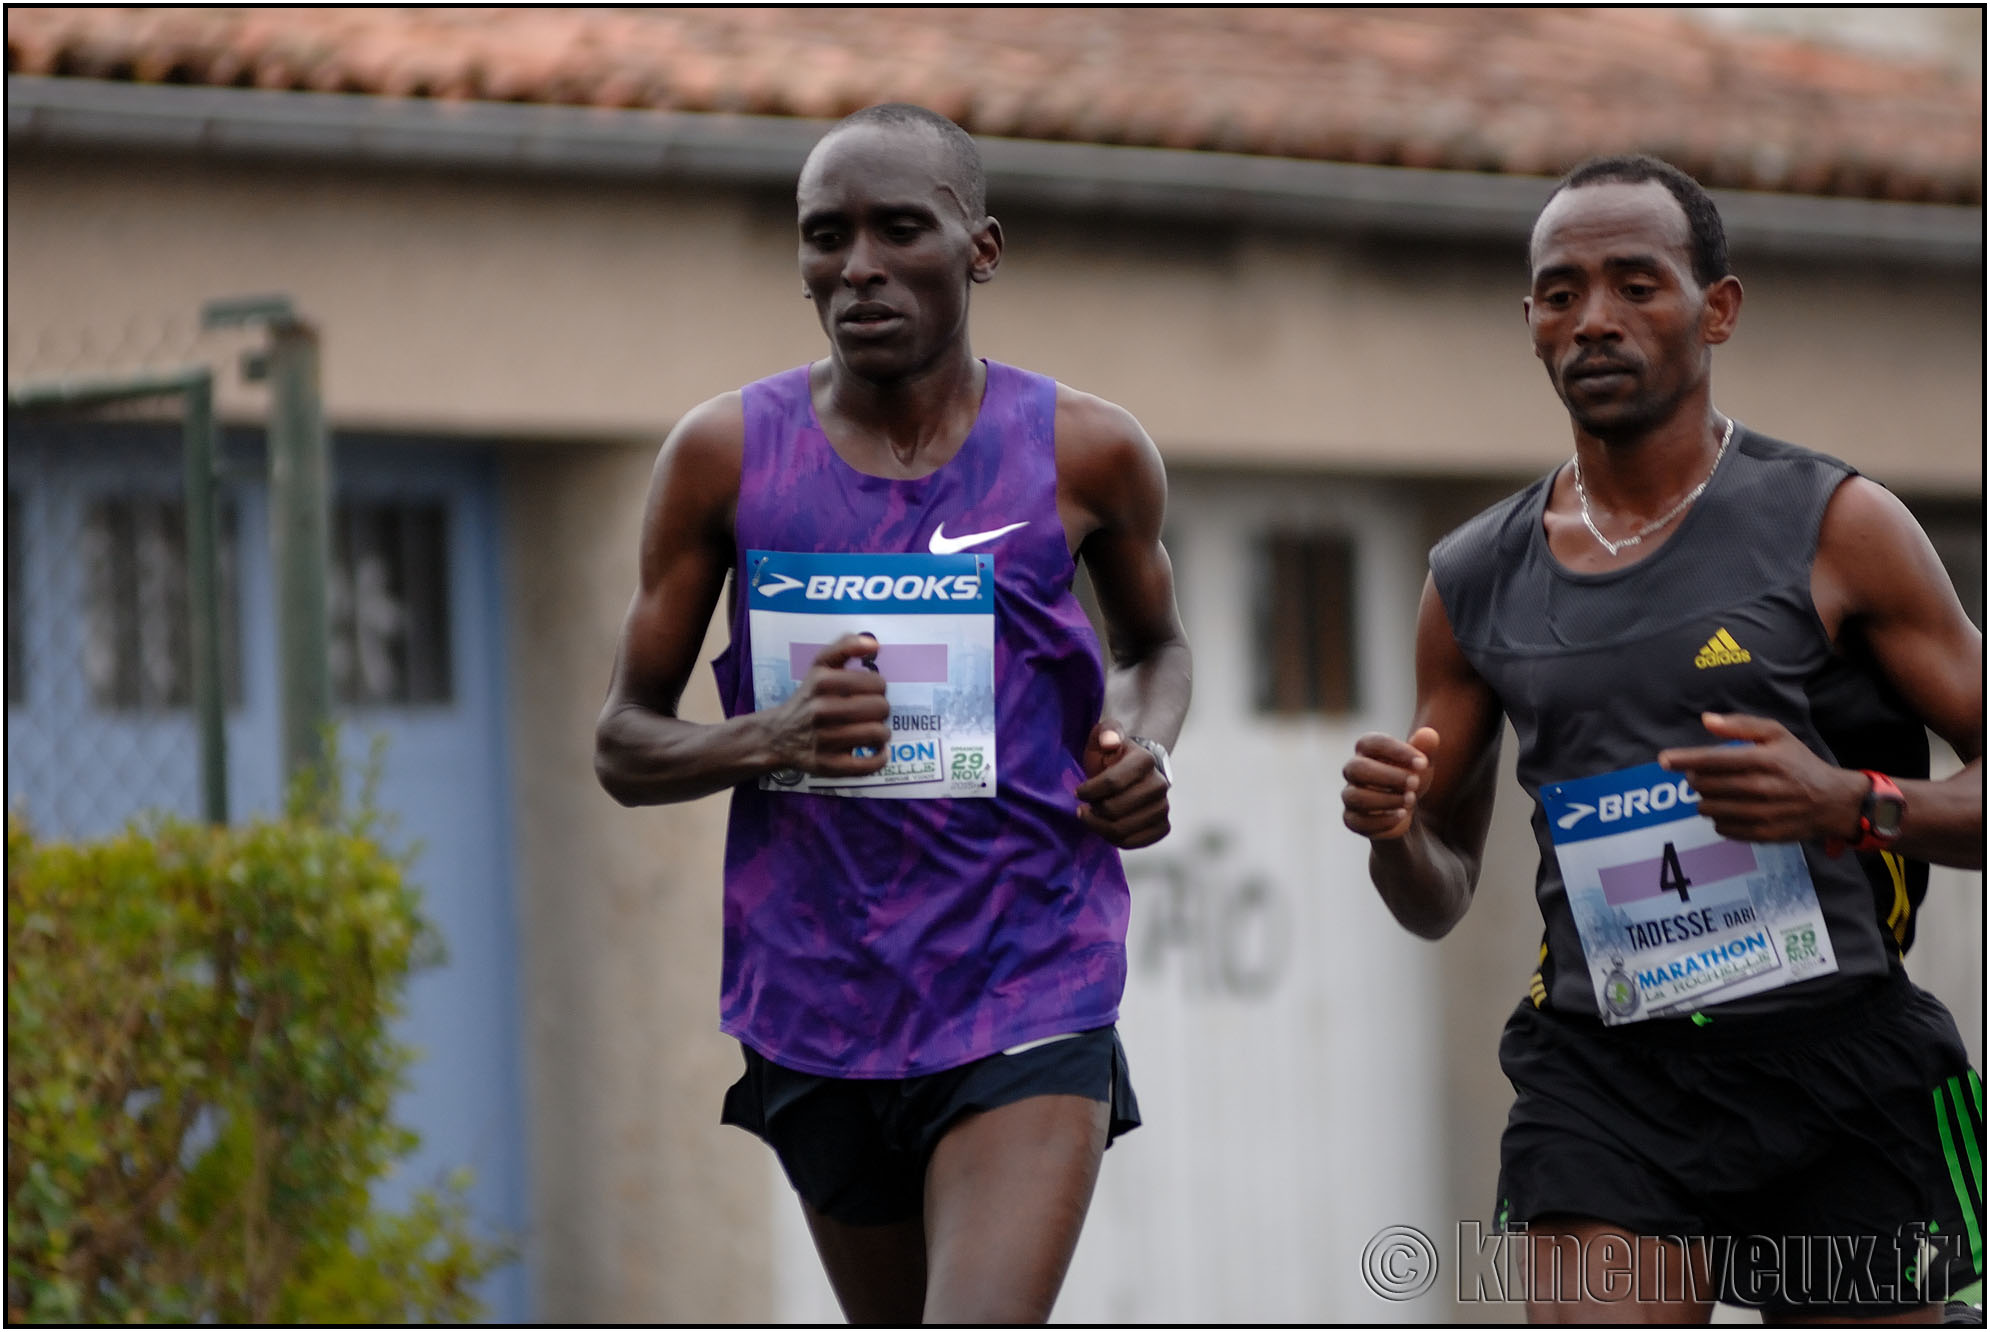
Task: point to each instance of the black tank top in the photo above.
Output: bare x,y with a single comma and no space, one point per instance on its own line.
1598,672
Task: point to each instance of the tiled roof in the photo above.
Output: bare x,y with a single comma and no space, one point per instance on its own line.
1526,91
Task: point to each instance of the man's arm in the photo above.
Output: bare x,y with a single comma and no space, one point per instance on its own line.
1112,494
1425,803
644,754
1876,576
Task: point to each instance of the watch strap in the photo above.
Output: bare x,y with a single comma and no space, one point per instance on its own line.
1160,753
1869,838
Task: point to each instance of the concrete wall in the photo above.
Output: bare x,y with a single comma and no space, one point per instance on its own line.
521,307
647,1209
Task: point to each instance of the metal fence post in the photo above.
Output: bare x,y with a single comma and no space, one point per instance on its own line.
300,523
300,542
204,595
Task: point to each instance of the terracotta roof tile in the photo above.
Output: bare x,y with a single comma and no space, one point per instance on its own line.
1491,89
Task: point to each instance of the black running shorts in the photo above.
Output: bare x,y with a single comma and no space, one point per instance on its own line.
1831,1161
856,1149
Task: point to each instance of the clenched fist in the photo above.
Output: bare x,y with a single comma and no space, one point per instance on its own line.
837,723
1383,779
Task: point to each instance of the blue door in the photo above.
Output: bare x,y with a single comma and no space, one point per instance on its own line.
99,727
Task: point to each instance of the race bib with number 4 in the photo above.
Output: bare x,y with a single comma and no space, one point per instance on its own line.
1674,917
934,619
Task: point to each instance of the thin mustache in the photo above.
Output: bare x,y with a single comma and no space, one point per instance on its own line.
1600,365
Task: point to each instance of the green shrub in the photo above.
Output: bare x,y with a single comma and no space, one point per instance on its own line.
199,1077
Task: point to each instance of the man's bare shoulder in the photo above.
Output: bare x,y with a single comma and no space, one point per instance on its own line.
695,480
1107,467
1104,457
1876,551
710,432
702,453
1862,509
1091,425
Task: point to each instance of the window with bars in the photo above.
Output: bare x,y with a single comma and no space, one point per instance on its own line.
137,639
387,597
389,604
1305,624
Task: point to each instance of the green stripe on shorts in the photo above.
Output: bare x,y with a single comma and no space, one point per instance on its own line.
1963,1195
1971,1128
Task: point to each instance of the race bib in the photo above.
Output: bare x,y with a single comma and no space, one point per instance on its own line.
1673,916
934,619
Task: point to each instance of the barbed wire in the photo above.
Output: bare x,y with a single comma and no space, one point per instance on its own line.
139,344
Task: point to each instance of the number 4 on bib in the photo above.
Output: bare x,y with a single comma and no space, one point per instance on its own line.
1671,878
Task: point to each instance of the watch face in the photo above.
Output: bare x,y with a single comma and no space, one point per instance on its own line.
1884,816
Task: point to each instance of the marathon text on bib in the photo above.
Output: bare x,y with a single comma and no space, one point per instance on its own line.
1674,917
934,619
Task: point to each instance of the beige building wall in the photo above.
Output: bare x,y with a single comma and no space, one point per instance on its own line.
646,1208
520,307
576,321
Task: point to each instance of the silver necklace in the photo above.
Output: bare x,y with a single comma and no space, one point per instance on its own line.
1582,498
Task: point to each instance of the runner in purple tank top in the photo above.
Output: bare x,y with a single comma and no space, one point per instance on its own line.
931,767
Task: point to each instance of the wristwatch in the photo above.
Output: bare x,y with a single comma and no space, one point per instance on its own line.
1880,814
1160,753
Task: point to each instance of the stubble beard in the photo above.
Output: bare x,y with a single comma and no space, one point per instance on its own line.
1626,421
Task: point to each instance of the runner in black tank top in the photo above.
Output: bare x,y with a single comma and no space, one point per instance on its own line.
1719,653
1599,672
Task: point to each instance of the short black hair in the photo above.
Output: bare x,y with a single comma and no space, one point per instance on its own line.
1702,218
966,177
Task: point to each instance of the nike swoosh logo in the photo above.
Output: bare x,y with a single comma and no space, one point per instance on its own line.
772,588
942,544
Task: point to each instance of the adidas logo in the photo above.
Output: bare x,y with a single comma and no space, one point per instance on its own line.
1722,650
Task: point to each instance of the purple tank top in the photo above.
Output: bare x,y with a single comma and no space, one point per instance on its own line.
885,938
